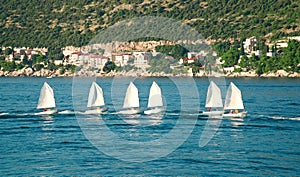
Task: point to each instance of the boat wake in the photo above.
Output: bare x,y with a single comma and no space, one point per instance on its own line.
16,115
4,113
67,112
284,118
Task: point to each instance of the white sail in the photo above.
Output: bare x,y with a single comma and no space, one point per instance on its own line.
233,98
46,99
132,97
213,97
95,96
155,99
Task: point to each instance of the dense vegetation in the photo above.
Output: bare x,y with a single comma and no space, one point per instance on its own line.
287,59
176,51
57,23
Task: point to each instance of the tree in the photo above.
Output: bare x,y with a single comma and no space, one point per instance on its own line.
22,52
38,67
8,66
221,47
177,51
25,60
55,54
109,66
231,57
8,51
52,67
244,63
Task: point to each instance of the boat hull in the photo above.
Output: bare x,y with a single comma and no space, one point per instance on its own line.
130,111
96,111
238,115
48,112
153,111
212,113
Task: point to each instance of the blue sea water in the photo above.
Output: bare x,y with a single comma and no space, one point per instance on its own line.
265,143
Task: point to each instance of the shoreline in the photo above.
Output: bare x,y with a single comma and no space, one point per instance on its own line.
28,72
158,76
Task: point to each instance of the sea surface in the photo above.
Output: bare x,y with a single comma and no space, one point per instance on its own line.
179,142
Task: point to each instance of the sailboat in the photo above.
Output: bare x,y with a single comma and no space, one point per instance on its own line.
155,102
96,100
46,100
213,103
131,102
234,106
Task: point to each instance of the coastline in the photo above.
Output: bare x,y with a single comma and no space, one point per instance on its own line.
28,72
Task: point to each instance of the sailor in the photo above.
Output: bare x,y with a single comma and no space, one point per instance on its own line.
236,111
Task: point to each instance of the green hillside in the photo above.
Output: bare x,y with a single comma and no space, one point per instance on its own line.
58,23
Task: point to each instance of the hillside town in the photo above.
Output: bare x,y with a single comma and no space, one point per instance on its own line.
91,60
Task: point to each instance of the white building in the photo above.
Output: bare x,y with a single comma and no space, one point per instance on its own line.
228,69
74,58
256,53
69,50
281,44
196,54
250,44
59,62
141,59
83,59
121,59
97,61
188,60
270,54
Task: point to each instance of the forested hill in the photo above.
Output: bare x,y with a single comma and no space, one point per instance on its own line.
58,23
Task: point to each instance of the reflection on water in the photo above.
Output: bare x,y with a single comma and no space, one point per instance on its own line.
236,121
47,123
131,119
48,118
155,120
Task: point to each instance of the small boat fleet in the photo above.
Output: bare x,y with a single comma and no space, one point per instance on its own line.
233,106
96,104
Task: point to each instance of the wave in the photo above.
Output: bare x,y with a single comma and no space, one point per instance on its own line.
4,113
8,115
284,118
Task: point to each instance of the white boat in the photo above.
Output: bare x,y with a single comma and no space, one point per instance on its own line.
234,106
96,100
131,102
46,101
155,102
213,103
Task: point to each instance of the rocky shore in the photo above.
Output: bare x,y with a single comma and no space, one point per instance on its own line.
279,73
29,72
